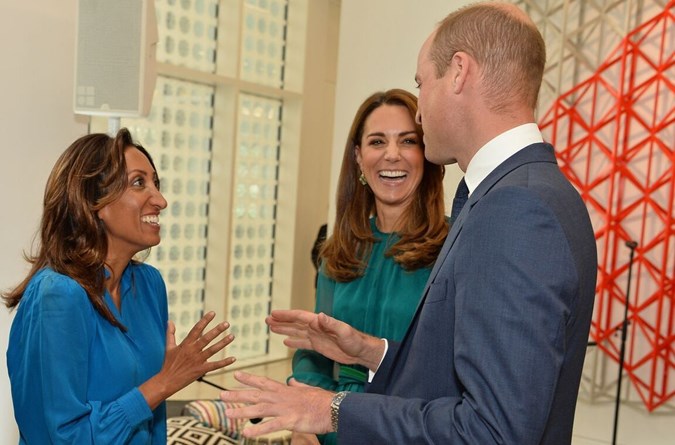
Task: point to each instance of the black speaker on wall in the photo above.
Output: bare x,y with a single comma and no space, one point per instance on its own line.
116,66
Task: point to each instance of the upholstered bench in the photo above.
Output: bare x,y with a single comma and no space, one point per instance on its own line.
211,413
204,422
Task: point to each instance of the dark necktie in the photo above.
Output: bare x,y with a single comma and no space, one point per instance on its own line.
461,195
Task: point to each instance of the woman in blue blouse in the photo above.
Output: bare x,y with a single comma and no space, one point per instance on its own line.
389,228
92,356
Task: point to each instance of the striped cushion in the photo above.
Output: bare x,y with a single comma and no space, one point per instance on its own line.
212,413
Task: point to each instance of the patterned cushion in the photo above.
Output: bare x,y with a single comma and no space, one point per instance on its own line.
212,413
189,431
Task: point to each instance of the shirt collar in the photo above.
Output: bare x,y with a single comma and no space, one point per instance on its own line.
127,281
498,150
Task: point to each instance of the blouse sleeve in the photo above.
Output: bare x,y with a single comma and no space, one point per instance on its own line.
50,381
311,367
159,421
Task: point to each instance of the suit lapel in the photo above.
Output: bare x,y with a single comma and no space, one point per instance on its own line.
530,154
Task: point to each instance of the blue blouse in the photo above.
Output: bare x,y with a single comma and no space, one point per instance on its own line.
74,376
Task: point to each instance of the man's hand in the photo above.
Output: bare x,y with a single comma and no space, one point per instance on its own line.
330,337
297,407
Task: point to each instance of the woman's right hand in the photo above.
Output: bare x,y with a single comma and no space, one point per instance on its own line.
186,362
328,336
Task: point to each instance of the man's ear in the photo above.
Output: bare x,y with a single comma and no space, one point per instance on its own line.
459,69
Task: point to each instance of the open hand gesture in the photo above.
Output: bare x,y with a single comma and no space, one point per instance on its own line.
296,407
328,336
187,361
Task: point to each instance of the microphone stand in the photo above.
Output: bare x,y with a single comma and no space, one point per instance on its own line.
622,351
203,380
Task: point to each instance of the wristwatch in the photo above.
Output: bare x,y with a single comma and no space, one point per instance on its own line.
335,408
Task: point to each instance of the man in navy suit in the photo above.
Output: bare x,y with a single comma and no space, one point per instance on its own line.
495,351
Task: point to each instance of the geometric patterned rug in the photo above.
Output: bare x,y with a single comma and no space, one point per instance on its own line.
189,431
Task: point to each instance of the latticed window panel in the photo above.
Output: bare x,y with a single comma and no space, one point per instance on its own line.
253,222
187,33
263,42
178,133
578,34
218,236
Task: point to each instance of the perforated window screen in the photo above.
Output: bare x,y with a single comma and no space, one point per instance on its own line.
187,33
253,225
263,42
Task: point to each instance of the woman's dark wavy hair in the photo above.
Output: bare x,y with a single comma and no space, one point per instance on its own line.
89,175
423,228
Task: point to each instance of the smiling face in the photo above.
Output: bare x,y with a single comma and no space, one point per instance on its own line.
390,156
132,221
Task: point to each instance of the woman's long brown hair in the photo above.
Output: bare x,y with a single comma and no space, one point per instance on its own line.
346,252
89,175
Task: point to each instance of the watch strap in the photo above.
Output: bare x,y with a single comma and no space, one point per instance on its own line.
335,408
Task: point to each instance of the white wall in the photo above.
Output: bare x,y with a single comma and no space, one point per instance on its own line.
379,42
37,123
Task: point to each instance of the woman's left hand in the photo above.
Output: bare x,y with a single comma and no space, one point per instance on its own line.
186,362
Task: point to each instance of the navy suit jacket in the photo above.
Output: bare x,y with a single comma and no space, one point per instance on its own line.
495,351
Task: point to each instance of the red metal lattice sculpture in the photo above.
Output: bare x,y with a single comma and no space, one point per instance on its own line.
615,136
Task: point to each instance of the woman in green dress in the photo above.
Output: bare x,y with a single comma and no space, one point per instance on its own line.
389,229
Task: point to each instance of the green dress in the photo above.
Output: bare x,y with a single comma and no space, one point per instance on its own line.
381,303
